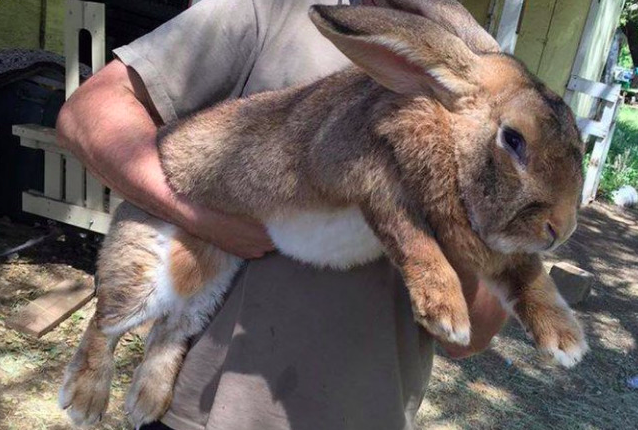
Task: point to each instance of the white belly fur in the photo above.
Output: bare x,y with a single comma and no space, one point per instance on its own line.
335,238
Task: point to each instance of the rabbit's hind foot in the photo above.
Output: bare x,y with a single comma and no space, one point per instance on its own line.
87,379
151,391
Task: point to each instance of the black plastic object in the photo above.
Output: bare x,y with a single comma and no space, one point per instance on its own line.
31,92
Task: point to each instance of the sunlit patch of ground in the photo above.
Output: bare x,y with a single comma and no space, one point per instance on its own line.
31,373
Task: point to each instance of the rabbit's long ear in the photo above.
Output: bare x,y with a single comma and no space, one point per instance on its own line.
406,53
453,17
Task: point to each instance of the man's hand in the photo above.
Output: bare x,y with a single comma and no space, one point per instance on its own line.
487,317
110,125
240,236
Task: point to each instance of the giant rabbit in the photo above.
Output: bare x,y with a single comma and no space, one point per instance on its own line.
438,151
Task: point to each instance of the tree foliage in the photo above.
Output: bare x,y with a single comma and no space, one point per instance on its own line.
629,26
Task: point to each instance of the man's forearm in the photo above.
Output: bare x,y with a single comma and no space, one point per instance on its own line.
108,125
487,316
118,144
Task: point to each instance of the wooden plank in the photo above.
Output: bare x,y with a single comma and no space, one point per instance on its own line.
594,89
89,16
47,311
507,32
74,182
597,162
72,26
45,146
583,45
609,113
94,22
70,214
532,37
35,132
53,175
568,21
590,127
494,9
114,201
94,193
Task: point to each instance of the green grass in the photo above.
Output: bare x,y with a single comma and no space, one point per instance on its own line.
621,166
624,57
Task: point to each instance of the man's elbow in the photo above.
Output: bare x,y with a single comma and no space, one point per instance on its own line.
94,97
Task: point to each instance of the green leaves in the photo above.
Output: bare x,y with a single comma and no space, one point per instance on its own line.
621,166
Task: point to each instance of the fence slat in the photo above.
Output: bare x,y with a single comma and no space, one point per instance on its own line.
590,127
94,193
53,175
74,182
35,132
114,201
597,162
70,214
507,32
598,90
72,26
94,22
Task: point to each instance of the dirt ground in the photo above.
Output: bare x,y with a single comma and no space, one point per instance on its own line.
31,369
508,387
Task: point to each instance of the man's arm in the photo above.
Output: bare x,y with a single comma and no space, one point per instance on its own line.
110,125
487,317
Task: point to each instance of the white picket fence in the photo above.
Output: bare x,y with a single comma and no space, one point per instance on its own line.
71,194
600,124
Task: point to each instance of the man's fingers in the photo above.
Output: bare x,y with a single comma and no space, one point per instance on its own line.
239,235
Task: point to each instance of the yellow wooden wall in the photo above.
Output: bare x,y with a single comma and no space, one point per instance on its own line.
549,37
20,24
478,8
596,53
550,33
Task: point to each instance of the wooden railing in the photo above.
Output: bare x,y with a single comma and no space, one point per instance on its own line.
600,124
71,194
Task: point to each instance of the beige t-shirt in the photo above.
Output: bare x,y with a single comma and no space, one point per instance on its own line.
230,48
293,347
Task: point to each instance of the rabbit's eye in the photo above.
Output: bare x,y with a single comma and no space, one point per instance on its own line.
515,143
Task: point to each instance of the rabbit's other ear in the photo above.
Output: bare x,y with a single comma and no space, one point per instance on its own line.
406,53
453,17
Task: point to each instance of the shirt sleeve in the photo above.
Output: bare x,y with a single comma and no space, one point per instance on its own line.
200,57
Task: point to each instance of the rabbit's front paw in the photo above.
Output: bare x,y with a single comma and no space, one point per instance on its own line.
558,333
85,394
440,307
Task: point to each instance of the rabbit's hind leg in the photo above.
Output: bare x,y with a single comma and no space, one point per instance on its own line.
151,391
201,275
131,291
152,387
87,379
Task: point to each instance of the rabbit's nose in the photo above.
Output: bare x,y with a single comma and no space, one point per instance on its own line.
551,231
560,228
